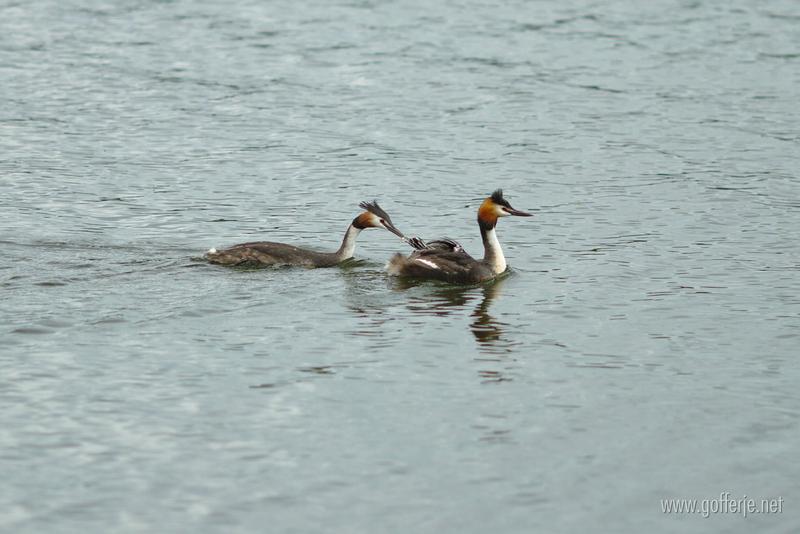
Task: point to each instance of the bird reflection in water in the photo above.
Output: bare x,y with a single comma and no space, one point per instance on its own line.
489,333
375,311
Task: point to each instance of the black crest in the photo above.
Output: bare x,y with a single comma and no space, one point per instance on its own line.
373,208
497,198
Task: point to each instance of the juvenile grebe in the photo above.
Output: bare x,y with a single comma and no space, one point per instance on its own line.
445,259
263,253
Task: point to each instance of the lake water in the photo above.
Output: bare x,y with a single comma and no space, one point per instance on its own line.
644,347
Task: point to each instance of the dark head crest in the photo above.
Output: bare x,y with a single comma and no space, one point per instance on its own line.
497,198
373,208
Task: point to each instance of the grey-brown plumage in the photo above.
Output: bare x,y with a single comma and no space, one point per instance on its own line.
262,253
265,253
446,260
451,267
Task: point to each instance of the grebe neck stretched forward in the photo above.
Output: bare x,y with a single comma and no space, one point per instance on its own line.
445,259
264,253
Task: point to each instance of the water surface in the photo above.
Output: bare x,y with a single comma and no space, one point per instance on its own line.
644,346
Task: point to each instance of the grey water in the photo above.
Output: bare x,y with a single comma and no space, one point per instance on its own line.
643,347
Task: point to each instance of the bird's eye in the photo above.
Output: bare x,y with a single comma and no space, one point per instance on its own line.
383,222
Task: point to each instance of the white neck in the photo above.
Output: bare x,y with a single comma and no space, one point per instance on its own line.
348,243
492,253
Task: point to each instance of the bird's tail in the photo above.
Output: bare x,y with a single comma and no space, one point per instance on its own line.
397,264
221,257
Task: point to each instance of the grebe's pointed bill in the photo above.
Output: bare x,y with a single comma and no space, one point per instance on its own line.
379,218
518,213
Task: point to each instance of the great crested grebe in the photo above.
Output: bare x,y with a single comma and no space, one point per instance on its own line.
445,259
263,253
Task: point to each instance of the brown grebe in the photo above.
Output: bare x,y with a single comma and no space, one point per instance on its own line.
445,259
263,253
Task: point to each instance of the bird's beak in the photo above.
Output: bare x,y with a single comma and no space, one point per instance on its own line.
518,213
389,226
